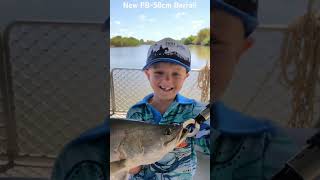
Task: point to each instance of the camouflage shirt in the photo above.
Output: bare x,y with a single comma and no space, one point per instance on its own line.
182,161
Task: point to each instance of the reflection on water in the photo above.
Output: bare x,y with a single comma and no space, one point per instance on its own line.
202,52
135,57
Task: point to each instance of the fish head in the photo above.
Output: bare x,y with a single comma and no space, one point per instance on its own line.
173,135
142,143
162,140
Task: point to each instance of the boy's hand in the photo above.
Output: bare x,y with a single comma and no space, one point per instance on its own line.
135,170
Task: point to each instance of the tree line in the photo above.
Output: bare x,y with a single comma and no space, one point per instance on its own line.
202,38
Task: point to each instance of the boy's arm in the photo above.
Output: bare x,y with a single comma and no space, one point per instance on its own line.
202,139
141,174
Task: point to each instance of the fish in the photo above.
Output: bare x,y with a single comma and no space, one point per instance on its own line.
134,143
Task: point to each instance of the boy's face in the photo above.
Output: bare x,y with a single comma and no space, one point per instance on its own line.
229,44
166,79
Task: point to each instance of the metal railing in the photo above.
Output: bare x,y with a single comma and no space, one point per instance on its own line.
53,84
129,86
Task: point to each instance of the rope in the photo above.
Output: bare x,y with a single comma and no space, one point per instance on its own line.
300,66
204,82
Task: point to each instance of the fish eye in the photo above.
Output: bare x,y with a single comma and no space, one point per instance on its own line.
168,131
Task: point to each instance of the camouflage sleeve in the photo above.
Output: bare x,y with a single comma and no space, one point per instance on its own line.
202,139
134,113
144,173
202,144
278,150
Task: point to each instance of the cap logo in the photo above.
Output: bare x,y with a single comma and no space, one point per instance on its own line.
169,50
159,52
170,43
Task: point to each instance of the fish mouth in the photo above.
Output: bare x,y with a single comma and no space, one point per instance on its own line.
178,137
182,135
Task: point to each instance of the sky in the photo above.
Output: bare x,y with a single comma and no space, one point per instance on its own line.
163,19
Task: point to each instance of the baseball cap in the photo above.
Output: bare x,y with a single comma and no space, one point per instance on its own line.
169,50
246,10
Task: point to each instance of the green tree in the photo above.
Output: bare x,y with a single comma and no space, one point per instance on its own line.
189,40
202,35
119,41
206,41
116,41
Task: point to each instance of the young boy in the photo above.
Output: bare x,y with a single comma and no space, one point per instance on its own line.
167,67
242,147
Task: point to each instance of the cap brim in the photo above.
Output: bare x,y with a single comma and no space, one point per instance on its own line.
168,60
250,23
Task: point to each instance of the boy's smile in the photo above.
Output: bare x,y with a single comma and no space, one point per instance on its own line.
166,80
165,89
